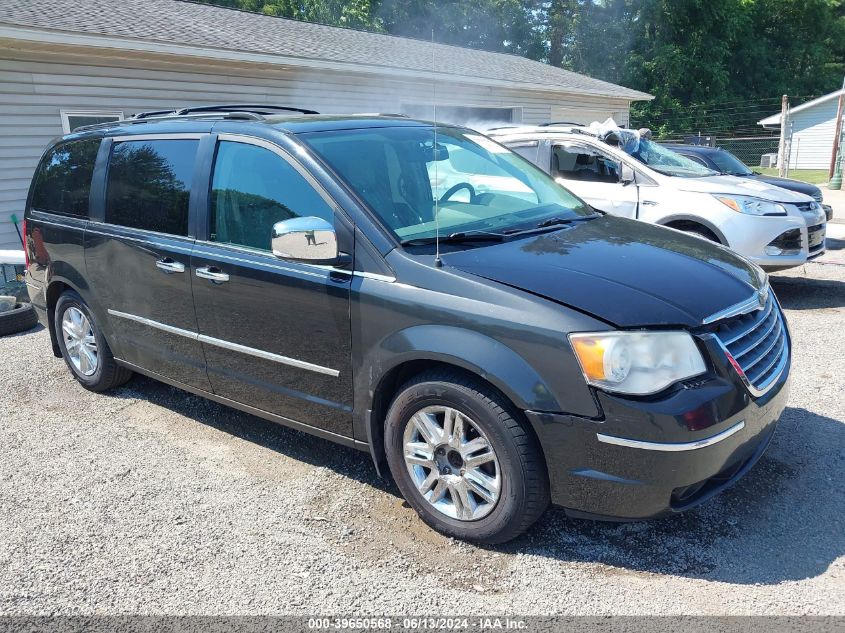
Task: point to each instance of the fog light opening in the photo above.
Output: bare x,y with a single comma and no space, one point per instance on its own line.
786,244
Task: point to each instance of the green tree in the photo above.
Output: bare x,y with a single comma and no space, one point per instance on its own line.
359,14
711,64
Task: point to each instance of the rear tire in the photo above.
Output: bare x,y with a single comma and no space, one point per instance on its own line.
83,346
464,459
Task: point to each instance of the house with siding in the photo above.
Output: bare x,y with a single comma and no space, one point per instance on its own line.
68,63
813,127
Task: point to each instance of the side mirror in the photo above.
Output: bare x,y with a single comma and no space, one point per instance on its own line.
308,239
626,175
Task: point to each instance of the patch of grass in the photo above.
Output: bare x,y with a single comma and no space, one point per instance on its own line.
813,176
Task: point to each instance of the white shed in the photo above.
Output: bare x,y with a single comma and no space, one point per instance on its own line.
67,63
813,126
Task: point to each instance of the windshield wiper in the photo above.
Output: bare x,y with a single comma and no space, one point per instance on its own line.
556,220
460,236
483,236
551,223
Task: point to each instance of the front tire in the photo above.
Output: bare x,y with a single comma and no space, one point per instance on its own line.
83,346
464,459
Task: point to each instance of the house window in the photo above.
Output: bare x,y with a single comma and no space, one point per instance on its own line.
72,119
476,117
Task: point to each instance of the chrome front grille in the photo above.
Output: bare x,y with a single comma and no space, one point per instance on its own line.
757,341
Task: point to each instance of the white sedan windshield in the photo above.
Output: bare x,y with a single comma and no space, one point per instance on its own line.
666,161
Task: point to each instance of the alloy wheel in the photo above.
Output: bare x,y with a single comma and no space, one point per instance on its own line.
80,342
452,463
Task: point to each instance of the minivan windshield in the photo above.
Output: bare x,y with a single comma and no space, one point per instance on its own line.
474,184
665,161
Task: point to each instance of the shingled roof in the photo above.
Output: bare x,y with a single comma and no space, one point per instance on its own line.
210,31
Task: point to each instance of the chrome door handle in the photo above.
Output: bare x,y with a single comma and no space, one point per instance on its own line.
206,272
169,266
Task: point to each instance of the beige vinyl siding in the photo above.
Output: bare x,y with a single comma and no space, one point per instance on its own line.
36,84
813,131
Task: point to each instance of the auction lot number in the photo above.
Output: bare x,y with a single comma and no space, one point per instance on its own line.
415,624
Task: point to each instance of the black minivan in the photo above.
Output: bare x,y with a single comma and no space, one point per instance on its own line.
493,342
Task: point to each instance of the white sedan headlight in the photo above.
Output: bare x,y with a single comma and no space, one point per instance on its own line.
637,363
750,205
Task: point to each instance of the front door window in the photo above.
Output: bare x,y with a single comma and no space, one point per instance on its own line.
575,162
252,189
595,177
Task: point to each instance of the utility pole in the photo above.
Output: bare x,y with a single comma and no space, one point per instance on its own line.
782,159
835,172
836,181
836,134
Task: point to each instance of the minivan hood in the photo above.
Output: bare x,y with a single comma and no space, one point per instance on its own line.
741,187
625,272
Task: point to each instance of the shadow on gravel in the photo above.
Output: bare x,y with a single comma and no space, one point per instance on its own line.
783,521
37,328
804,293
833,244
298,445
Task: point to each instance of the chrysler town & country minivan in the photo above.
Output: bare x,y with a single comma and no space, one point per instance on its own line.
494,352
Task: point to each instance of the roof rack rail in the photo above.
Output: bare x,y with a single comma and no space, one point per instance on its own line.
391,114
253,108
167,116
561,123
543,130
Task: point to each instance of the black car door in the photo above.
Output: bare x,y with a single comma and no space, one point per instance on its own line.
138,253
275,333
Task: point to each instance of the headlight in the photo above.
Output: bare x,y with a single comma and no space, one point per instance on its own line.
751,206
636,362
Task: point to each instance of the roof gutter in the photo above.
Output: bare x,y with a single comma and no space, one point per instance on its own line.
71,38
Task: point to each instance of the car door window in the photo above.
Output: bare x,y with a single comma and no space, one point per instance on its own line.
149,184
696,159
579,162
528,150
252,189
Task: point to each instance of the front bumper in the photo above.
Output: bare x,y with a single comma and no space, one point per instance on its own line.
752,235
650,457
828,212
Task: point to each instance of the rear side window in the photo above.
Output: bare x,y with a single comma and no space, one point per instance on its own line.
149,184
63,179
529,151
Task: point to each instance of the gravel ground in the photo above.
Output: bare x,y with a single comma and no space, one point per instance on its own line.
149,500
